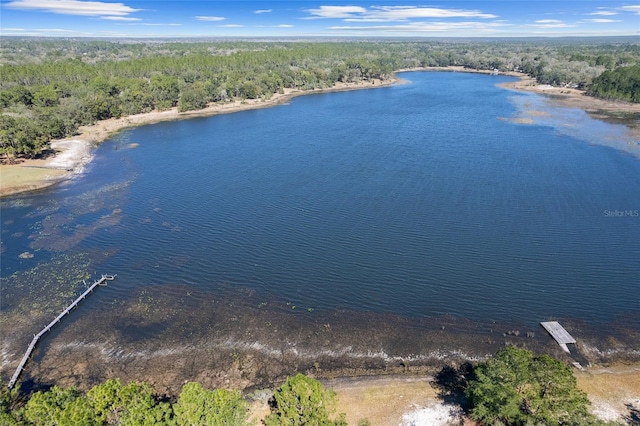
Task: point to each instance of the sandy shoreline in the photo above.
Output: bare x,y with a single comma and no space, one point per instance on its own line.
74,153
612,392
414,399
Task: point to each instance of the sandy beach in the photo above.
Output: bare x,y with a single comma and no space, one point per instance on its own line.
570,97
71,155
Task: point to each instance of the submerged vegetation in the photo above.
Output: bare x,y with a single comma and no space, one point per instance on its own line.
50,88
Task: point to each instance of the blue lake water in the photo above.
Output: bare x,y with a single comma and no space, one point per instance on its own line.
422,199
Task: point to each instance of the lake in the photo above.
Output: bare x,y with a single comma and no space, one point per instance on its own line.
444,197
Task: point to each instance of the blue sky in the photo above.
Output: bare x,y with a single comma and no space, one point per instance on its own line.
395,18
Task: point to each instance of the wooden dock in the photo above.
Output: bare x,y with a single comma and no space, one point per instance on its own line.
48,327
558,332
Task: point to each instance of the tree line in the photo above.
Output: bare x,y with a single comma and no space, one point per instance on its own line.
514,387
620,83
301,400
49,88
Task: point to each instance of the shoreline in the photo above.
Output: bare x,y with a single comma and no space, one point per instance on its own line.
257,341
613,392
73,153
34,174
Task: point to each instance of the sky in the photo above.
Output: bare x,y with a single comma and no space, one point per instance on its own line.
395,18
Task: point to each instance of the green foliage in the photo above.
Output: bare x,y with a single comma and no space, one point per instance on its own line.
8,405
21,136
193,97
517,388
620,83
164,91
16,95
133,404
61,85
59,407
302,400
198,406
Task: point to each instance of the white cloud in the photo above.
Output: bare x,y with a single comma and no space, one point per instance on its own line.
73,7
550,23
210,18
418,27
285,26
392,13
263,11
162,25
40,32
120,18
635,9
602,21
53,30
336,11
230,26
603,13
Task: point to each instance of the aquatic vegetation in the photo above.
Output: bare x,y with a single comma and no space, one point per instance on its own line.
55,235
43,290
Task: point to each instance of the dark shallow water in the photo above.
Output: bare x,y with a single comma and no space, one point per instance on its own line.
420,200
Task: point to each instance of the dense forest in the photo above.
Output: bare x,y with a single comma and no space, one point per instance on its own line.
51,87
619,83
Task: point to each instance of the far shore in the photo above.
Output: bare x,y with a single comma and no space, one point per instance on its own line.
33,174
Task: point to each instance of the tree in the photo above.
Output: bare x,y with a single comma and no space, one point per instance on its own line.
16,95
302,400
193,97
621,83
198,406
165,91
133,404
59,407
517,388
8,405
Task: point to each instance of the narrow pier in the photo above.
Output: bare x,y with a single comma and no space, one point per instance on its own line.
48,327
558,332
